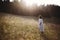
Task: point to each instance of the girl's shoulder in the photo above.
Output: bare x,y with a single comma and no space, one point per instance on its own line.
40,19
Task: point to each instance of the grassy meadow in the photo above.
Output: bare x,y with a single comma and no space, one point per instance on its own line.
14,27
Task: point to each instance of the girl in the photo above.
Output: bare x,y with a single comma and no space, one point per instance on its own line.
41,27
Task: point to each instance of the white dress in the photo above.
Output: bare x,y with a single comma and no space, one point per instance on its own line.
41,27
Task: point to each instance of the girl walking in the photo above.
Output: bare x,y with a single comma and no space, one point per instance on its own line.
41,27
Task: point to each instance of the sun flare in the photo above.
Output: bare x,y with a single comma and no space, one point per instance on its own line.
31,2
28,2
40,2
37,2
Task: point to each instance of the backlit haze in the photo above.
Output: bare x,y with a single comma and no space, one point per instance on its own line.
38,2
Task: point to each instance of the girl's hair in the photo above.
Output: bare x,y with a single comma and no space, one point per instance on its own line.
40,16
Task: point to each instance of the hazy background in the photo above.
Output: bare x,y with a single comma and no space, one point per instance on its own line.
20,9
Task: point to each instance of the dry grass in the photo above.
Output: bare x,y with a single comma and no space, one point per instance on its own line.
19,28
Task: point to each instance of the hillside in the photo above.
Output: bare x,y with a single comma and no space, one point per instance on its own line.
14,27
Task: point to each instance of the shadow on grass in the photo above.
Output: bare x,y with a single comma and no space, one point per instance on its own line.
57,29
1,32
44,37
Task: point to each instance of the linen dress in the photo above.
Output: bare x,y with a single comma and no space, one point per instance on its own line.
41,27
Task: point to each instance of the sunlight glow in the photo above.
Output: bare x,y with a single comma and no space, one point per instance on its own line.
28,2
41,2
11,0
19,0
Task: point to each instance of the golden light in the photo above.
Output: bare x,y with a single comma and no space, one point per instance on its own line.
19,0
11,0
38,2
28,2
41,2
31,2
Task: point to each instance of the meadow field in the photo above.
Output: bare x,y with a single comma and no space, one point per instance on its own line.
13,27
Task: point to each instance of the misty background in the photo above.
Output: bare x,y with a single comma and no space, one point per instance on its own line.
19,9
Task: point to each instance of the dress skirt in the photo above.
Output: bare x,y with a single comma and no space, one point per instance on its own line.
41,27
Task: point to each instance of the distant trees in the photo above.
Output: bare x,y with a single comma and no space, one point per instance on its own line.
20,9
